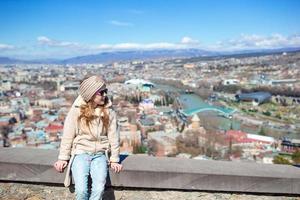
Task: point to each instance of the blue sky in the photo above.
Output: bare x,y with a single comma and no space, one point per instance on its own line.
66,28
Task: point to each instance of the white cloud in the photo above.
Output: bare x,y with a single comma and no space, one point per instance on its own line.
162,45
4,47
142,46
84,48
126,46
188,40
244,42
59,49
119,23
43,40
258,42
101,46
132,46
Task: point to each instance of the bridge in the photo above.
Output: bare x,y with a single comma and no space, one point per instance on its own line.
227,112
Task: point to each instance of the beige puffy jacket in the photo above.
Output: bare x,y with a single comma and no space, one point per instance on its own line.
78,139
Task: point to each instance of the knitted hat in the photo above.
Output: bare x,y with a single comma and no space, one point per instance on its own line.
90,86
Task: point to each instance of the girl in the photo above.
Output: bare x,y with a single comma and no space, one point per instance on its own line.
90,131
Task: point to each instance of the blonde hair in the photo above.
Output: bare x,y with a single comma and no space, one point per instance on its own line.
87,115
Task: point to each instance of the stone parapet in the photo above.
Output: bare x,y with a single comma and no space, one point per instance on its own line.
140,171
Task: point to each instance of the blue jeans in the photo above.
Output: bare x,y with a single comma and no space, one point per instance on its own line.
84,165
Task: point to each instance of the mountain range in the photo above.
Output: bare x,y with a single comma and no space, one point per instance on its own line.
108,57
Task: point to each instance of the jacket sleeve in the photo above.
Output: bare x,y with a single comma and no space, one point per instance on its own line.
69,133
114,138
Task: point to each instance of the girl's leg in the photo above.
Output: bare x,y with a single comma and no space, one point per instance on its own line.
98,174
80,172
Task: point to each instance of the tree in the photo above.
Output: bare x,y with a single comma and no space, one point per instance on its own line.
262,131
5,130
152,147
139,149
157,102
278,115
49,85
296,157
230,145
267,113
281,160
231,125
237,151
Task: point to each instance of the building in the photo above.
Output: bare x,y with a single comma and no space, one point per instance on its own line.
231,82
139,82
162,143
256,97
5,85
240,137
4,121
254,147
189,65
51,103
67,86
130,137
53,131
146,105
147,124
195,122
288,82
290,145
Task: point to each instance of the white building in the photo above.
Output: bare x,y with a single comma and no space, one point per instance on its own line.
5,85
138,82
231,82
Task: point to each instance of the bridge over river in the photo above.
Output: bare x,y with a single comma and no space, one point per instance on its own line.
192,104
227,112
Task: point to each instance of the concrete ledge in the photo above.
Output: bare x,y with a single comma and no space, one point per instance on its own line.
35,165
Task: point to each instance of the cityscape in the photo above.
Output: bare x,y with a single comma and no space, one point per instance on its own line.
193,99
243,107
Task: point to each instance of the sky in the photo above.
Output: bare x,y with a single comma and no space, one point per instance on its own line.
38,29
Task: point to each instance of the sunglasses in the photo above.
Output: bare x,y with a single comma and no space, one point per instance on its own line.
101,92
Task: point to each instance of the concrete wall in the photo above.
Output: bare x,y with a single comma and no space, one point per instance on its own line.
140,171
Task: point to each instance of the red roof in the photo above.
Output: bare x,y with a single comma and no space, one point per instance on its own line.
237,133
54,127
238,136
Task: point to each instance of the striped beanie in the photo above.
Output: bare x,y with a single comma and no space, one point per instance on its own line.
90,86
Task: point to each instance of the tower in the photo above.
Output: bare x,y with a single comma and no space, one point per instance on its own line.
195,122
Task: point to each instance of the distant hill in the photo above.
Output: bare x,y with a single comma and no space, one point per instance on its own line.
6,60
242,54
262,51
108,57
142,55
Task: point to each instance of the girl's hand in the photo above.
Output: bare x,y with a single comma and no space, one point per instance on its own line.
116,167
60,165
